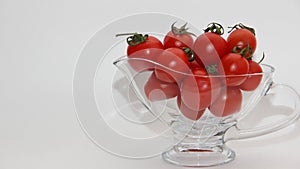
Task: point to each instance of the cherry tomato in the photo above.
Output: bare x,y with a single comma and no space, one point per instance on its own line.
228,103
143,47
187,112
254,78
158,90
175,63
178,37
199,90
234,66
241,38
209,48
195,65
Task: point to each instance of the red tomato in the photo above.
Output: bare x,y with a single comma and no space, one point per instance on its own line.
241,38
187,112
178,38
228,103
195,65
175,63
157,90
209,48
253,80
234,66
199,90
172,40
145,47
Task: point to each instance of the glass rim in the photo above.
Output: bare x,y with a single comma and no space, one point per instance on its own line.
125,58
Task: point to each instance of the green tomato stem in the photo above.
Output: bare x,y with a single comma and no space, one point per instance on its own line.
215,28
125,34
241,26
189,53
134,39
243,52
181,31
212,69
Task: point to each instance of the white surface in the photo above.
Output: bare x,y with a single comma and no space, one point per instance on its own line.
40,42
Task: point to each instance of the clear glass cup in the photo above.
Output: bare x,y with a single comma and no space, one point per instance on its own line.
202,142
116,115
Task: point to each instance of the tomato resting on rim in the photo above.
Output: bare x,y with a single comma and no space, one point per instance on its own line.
234,67
253,80
174,63
241,38
210,46
142,47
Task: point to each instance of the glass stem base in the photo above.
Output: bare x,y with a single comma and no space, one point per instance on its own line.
192,155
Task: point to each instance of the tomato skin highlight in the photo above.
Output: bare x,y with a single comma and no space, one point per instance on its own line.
187,112
252,81
209,48
180,41
228,103
199,90
156,90
241,38
150,50
176,62
236,65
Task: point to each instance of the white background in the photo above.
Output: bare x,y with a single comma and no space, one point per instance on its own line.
40,41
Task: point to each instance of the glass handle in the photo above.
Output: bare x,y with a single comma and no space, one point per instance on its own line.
236,133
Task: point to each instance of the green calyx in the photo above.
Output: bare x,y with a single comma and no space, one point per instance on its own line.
241,26
215,28
135,38
244,51
189,53
183,30
212,69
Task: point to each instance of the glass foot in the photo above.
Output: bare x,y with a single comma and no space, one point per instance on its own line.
199,157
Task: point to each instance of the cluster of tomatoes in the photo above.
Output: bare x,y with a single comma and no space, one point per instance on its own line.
206,73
